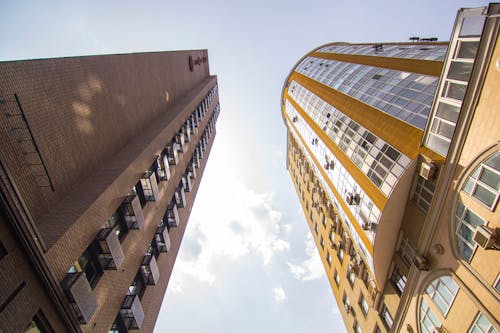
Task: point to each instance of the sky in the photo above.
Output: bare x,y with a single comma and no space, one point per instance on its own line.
247,262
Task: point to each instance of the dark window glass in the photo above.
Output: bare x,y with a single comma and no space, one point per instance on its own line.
398,280
89,264
137,287
140,192
3,251
39,324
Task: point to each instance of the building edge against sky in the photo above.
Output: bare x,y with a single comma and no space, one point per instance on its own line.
393,149
101,158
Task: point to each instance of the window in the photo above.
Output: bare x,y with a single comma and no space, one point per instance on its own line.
322,243
351,276
356,327
377,329
118,326
336,277
398,280
484,183
88,263
386,317
117,221
496,285
428,319
38,324
465,224
137,287
424,191
407,252
329,258
340,254
363,304
137,189
481,325
3,251
442,291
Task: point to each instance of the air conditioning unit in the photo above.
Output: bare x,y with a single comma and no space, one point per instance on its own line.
294,119
421,263
428,170
333,245
352,198
484,236
368,226
348,308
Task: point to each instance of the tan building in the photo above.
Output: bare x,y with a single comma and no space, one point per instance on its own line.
101,158
394,152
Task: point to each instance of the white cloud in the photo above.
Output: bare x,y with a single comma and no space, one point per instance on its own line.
279,295
312,267
236,222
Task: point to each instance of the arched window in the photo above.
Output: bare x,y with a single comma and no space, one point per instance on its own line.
466,222
442,291
428,319
484,183
439,296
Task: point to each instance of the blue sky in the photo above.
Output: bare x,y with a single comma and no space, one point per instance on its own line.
247,262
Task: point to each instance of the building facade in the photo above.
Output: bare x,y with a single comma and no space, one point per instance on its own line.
393,149
101,158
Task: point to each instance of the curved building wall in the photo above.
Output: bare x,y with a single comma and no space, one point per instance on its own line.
358,112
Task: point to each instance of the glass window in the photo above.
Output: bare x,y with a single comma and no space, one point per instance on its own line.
481,325
428,319
468,49
357,328
3,251
442,291
496,285
386,317
466,222
398,280
39,324
484,183
363,304
336,277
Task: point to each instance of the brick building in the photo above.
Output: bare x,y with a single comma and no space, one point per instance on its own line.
101,158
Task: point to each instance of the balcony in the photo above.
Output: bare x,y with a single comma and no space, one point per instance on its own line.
192,169
187,184
150,186
131,312
180,197
193,125
110,252
196,158
80,295
162,238
162,167
171,153
132,212
186,132
149,270
180,142
172,216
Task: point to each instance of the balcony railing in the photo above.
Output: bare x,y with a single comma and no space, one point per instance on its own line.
132,212
80,295
131,312
110,251
149,270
